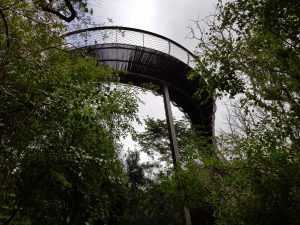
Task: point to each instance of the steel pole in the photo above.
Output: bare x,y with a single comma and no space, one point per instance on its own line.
173,141
171,127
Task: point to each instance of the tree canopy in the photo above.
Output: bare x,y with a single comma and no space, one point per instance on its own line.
251,51
60,122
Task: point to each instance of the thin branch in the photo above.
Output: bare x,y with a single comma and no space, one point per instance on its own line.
6,28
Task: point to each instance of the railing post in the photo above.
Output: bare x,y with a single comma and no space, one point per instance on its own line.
169,48
116,36
143,40
85,38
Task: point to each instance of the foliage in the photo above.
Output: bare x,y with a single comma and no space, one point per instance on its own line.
59,123
147,202
252,48
257,39
155,141
190,184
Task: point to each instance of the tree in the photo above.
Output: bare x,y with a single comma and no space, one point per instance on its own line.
260,183
155,141
191,183
59,124
251,48
146,202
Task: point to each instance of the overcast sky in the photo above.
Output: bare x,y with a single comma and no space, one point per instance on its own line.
169,18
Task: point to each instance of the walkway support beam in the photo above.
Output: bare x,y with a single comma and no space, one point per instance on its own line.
173,141
171,127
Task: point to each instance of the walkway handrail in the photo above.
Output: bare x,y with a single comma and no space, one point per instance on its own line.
92,38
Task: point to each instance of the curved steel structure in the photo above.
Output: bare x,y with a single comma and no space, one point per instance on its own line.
144,57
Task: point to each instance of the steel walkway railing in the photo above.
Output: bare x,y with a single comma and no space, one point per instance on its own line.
125,35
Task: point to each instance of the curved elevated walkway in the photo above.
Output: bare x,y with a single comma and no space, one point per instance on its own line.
147,57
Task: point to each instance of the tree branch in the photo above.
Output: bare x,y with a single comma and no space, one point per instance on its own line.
68,19
6,28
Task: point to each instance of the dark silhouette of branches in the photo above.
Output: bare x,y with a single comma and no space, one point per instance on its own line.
47,7
6,28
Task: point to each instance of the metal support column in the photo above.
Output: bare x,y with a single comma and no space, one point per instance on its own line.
171,127
173,141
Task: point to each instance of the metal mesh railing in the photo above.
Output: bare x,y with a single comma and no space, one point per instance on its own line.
131,36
